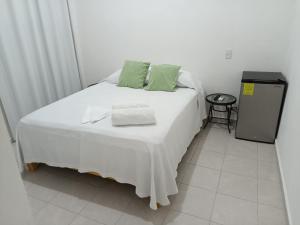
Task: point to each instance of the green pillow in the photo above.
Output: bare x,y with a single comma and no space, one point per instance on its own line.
133,74
163,78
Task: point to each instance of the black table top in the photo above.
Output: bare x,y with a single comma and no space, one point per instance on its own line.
263,77
227,99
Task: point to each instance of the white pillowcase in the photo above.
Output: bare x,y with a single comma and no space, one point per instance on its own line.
114,77
185,79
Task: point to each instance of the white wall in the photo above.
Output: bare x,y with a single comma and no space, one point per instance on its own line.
191,33
14,207
289,133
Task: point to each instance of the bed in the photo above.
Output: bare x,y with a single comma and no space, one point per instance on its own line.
144,156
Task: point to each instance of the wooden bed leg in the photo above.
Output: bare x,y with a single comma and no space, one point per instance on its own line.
98,174
158,205
110,178
31,167
95,174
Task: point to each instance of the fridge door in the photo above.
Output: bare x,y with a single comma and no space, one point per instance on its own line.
259,111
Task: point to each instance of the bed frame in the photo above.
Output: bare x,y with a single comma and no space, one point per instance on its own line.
32,167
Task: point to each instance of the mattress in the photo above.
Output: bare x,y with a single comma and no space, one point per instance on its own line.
144,156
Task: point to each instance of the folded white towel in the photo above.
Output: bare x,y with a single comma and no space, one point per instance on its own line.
133,116
129,105
93,114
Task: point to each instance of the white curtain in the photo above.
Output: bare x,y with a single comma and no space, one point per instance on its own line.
37,57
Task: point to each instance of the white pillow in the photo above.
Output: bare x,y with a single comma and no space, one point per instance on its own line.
185,79
114,78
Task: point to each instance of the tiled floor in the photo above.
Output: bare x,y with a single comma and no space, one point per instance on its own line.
222,181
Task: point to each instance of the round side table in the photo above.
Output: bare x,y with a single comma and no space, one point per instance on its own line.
220,99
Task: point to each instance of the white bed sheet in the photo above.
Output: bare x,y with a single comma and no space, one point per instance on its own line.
144,156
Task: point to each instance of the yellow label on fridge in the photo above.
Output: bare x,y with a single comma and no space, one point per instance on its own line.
248,89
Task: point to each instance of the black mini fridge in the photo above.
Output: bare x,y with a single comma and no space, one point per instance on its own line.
261,102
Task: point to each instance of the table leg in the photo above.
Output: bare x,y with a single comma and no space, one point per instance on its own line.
228,109
209,116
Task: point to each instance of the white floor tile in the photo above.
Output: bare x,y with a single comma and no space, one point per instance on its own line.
182,187
139,213
188,155
238,186
27,185
268,215
233,211
208,148
41,192
176,218
75,197
267,152
45,186
55,193
270,193
216,140
220,126
36,204
210,159
180,172
194,145
207,143
268,171
52,215
102,213
109,204
194,201
241,148
240,166
79,220
198,176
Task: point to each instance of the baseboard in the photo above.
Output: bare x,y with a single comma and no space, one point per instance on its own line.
286,199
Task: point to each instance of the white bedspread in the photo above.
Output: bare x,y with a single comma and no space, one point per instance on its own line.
144,156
